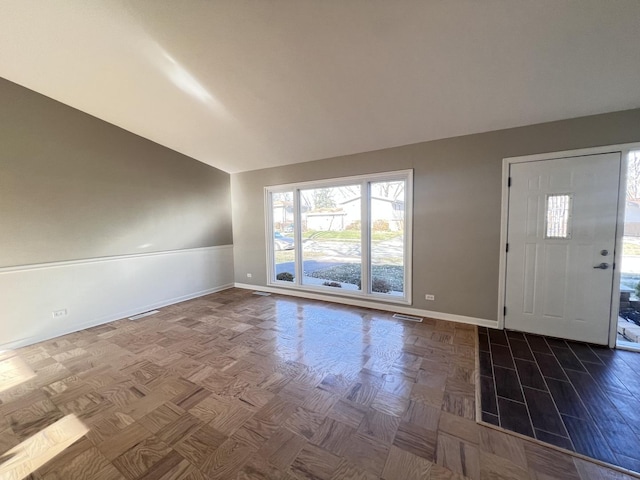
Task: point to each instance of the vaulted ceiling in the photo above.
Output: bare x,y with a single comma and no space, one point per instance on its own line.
242,84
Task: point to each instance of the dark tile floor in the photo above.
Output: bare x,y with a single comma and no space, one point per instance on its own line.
580,397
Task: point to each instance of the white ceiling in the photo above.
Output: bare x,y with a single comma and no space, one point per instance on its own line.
242,85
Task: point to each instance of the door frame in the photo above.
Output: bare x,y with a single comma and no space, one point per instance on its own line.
624,150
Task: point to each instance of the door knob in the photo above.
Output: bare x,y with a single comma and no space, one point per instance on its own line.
602,266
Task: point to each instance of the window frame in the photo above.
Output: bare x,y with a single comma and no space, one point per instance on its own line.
365,182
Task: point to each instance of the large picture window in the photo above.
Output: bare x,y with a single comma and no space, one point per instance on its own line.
348,236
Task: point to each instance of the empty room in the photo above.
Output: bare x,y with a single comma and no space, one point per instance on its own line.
319,239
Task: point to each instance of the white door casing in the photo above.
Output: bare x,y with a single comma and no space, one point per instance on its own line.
552,287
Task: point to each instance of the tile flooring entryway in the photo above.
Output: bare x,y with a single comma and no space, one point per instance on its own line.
580,397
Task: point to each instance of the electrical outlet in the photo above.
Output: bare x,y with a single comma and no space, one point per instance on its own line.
249,275
59,313
429,297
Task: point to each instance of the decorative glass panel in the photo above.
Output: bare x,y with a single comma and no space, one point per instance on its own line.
558,216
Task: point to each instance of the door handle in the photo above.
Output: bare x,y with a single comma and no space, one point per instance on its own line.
602,266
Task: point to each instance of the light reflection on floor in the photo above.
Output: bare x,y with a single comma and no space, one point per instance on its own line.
311,333
35,451
13,371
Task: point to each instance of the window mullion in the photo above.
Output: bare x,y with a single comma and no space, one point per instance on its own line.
365,237
297,236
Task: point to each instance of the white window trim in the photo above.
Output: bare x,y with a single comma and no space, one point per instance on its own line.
363,180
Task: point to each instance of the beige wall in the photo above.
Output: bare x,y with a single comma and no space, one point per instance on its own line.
74,187
457,196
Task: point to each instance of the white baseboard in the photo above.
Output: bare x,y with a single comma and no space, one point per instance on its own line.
97,291
111,318
374,305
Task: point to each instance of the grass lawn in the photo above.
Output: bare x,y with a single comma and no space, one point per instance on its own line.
630,248
283,256
350,273
348,235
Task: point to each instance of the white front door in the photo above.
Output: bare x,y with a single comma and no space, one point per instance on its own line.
561,239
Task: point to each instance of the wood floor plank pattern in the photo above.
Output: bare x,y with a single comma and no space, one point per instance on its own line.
238,386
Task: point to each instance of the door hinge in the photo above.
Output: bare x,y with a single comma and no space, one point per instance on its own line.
507,248
509,182
504,311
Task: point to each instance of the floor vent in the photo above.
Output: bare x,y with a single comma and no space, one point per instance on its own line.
411,318
262,294
145,314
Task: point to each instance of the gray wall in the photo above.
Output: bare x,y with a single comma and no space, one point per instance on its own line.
73,187
457,184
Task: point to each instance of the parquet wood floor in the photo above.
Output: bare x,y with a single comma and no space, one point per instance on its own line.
239,386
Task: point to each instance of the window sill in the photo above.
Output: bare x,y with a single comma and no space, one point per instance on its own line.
343,293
